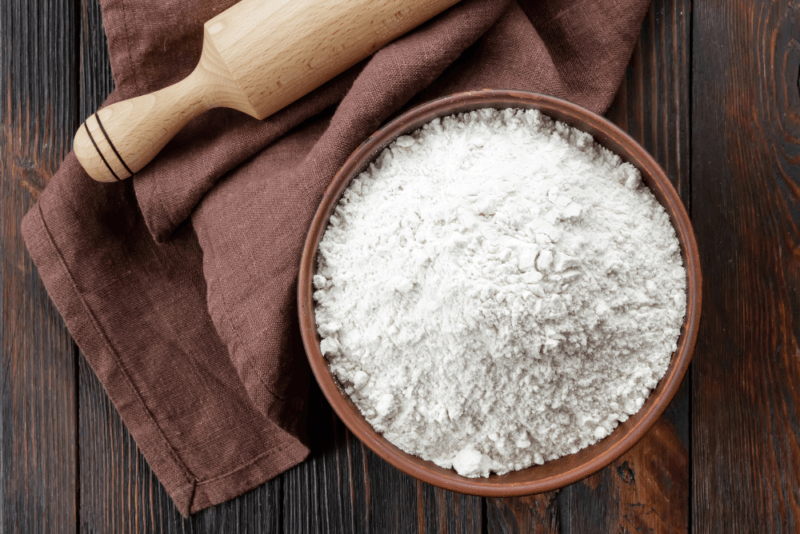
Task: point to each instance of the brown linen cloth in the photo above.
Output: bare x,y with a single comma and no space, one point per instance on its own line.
179,285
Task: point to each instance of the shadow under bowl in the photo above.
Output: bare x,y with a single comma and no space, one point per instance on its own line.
567,469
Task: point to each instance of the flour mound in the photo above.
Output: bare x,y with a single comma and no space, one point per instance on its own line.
497,290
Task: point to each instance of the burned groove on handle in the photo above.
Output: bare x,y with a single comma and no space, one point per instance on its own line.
101,154
97,118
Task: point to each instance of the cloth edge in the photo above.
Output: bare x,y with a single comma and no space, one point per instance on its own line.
189,494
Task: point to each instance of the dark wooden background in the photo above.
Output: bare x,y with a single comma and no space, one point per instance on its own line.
713,91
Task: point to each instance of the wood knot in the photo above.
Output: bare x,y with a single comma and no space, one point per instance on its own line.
626,474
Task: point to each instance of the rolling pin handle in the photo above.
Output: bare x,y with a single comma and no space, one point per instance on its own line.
110,144
120,139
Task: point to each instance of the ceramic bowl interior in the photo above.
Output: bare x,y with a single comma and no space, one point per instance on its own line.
567,469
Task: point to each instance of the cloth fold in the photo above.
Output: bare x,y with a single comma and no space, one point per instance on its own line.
179,285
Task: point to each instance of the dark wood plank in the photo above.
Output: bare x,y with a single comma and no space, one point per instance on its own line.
644,491
446,511
342,486
327,492
535,514
746,213
345,487
647,490
118,491
392,500
37,366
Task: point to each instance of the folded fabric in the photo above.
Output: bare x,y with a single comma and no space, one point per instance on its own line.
179,285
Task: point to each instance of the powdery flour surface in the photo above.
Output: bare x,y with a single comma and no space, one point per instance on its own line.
497,290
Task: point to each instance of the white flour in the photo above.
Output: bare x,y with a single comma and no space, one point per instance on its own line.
497,290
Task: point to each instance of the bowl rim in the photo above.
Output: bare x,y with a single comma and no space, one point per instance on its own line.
604,132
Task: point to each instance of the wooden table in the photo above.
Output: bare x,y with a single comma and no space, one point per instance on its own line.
712,91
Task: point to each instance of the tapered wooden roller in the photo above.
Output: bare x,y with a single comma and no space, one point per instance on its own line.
258,57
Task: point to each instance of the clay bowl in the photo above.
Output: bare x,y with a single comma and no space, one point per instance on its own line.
567,469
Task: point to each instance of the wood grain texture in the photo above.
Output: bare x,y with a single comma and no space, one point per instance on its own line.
328,492
535,514
37,366
344,487
446,511
746,197
647,490
278,51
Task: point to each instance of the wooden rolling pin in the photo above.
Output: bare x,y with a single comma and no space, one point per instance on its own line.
258,57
